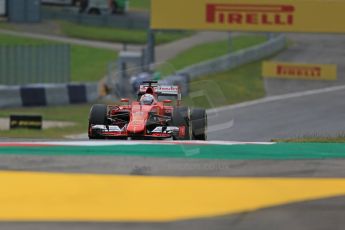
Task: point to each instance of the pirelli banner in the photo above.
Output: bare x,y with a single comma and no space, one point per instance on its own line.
326,16
299,71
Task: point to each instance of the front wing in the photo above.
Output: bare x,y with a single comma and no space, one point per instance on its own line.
160,132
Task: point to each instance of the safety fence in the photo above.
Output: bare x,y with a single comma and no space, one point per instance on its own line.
27,64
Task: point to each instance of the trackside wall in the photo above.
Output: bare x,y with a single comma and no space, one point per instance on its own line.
48,94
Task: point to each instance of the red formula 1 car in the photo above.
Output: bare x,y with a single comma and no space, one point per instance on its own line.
152,116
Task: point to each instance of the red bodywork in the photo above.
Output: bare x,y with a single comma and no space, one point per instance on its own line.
138,121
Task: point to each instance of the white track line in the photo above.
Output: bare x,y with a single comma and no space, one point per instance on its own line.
278,98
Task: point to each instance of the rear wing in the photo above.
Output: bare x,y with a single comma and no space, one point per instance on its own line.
161,90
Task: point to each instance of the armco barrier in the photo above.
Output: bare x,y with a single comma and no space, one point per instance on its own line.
10,96
236,59
47,94
57,94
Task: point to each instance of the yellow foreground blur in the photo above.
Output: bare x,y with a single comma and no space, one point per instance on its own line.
77,197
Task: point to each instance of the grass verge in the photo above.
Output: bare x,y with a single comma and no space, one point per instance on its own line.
140,4
209,51
238,85
6,26
87,64
133,36
73,113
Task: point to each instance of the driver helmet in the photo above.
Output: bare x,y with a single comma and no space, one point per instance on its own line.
147,99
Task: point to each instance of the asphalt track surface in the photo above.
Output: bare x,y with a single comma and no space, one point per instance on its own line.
318,114
175,167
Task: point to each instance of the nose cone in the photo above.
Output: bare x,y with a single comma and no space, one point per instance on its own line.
136,127
138,120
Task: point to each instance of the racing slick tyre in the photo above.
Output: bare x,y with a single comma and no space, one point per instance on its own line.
181,118
199,124
98,116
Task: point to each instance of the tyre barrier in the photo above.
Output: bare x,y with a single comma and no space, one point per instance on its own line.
48,94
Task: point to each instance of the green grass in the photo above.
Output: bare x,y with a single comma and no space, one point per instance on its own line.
132,36
87,64
209,51
90,64
6,25
140,4
238,85
74,113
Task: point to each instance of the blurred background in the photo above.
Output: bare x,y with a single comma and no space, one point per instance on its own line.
58,57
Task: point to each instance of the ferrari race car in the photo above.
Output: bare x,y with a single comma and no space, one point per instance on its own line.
151,116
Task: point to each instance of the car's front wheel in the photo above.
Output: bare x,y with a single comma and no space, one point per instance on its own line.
181,119
199,124
98,116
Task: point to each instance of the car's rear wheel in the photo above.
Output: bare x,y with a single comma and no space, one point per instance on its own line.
98,116
199,124
181,119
